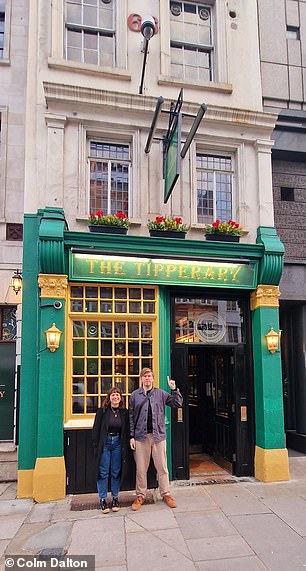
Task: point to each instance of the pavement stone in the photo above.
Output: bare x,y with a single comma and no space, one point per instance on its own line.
236,500
161,519
174,538
146,551
54,536
41,513
223,547
9,525
14,506
194,525
103,537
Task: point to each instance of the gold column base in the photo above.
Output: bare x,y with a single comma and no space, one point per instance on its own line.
49,481
271,465
25,483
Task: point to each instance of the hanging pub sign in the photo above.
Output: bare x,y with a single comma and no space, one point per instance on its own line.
91,267
173,158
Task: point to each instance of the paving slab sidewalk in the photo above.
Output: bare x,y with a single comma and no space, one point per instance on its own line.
244,526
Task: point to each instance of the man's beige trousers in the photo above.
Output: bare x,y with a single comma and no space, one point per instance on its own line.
142,455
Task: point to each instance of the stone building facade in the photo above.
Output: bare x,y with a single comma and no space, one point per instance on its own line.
283,68
194,309
13,74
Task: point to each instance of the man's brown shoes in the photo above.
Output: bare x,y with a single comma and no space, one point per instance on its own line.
171,503
139,500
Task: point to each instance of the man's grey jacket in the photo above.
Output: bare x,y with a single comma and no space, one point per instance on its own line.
138,411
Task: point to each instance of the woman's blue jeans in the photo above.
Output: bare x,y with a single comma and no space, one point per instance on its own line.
110,459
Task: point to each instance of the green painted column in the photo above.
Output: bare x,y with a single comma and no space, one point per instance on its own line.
29,365
51,380
271,457
165,360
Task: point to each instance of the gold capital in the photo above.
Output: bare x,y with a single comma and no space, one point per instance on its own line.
52,285
265,296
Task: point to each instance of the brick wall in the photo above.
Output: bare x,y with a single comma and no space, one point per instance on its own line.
290,216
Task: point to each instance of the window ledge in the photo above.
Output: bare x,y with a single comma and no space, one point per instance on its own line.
89,69
5,61
79,423
209,85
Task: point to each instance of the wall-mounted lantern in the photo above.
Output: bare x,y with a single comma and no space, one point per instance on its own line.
273,339
53,336
17,281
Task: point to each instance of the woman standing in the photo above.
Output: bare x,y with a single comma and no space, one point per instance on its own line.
110,437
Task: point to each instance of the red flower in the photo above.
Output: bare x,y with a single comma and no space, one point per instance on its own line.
178,220
99,213
216,224
120,215
159,219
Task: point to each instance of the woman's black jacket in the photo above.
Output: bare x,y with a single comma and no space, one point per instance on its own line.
100,430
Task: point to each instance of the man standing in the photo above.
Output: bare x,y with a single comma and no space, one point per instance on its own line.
148,434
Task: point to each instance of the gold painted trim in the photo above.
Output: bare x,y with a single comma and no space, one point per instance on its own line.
271,465
265,296
49,479
25,483
53,285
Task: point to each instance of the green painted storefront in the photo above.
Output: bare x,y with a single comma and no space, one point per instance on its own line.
55,256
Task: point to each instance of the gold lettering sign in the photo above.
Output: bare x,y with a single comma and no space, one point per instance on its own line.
161,271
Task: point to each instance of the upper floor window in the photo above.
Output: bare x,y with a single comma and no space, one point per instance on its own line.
90,32
110,165
2,22
191,41
214,188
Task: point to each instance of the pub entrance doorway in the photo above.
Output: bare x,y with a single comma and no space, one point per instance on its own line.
217,416
216,421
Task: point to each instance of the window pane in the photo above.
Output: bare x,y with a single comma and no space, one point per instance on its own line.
92,385
76,291
74,39
92,347
74,14
133,330
78,348
78,329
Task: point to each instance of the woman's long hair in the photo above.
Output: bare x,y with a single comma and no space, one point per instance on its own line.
107,402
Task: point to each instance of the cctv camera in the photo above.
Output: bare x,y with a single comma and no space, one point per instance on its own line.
147,27
57,305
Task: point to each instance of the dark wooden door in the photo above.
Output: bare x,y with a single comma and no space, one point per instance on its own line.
180,417
244,417
223,383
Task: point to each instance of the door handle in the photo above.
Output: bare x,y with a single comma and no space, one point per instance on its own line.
179,415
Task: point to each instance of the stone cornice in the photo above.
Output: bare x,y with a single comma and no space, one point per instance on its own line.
61,93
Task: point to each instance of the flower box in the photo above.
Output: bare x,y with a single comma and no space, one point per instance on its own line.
103,229
168,234
168,227
222,238
226,231
108,223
